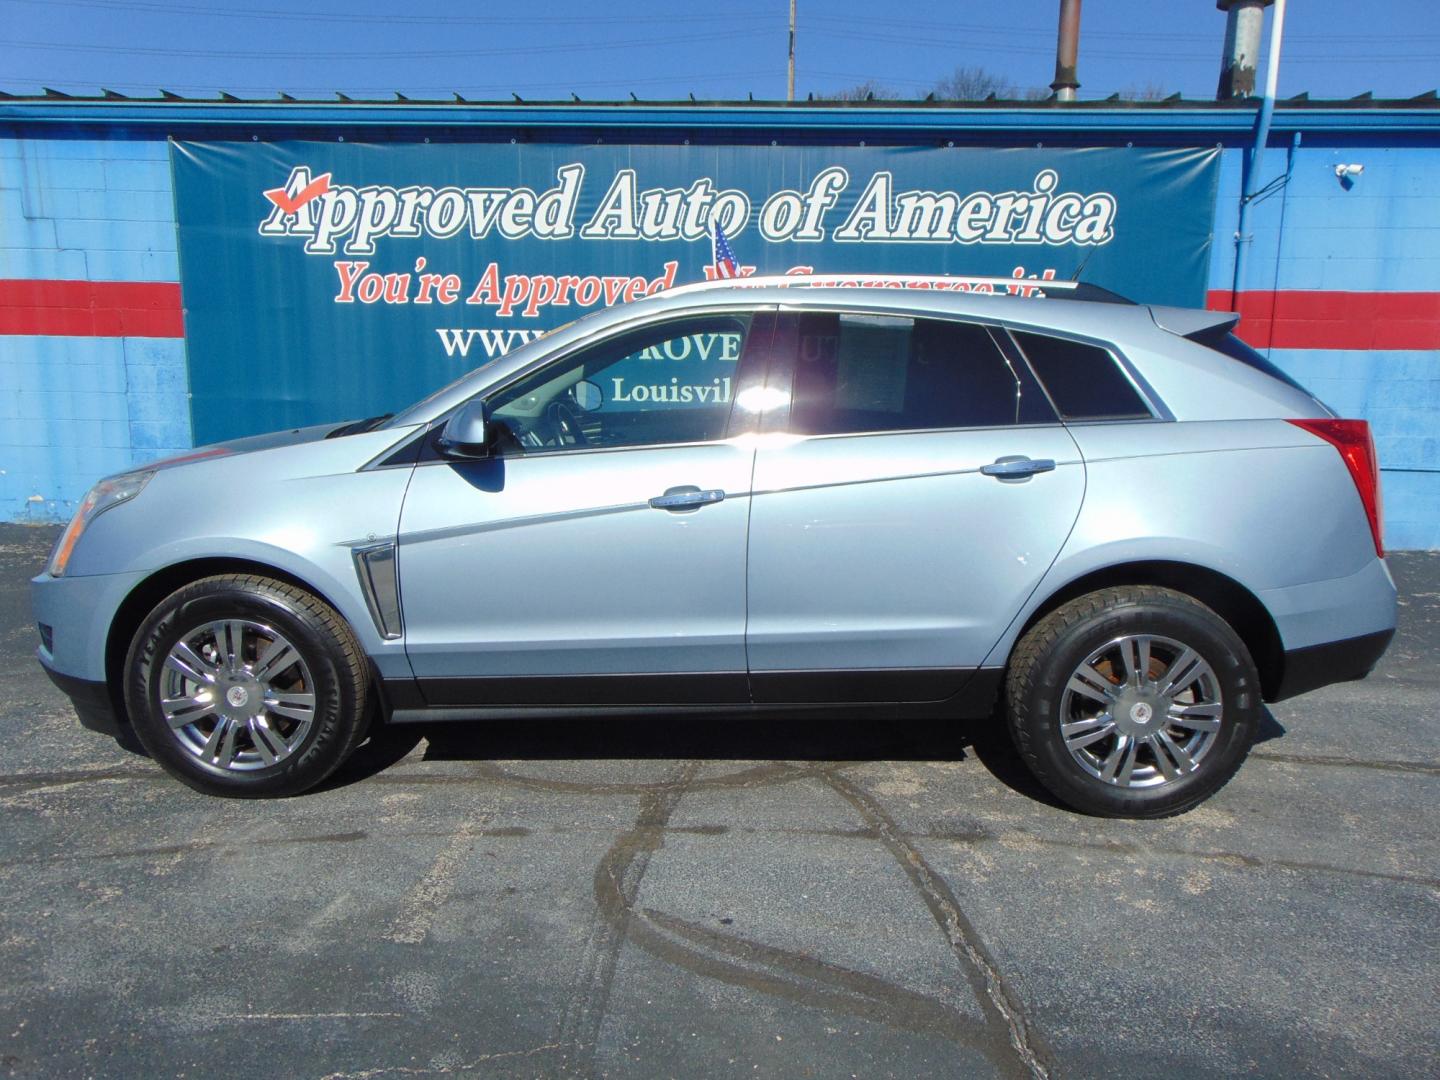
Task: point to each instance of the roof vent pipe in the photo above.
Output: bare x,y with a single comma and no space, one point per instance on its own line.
1244,25
1067,52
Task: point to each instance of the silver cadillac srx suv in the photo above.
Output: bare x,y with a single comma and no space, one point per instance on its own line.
1112,527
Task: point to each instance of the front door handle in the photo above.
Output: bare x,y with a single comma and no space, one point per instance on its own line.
1017,467
685,498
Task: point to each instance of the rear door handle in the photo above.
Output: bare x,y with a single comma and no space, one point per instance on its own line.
1017,467
687,497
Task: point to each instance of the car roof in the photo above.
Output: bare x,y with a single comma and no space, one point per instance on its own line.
1066,307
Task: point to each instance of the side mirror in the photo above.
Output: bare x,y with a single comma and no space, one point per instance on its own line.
465,433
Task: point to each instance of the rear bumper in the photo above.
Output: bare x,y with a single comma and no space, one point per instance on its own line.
1339,609
1333,662
92,701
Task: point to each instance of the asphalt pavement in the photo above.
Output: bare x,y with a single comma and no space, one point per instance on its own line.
666,898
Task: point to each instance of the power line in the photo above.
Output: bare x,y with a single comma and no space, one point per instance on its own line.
505,87
285,14
730,15
408,54
1102,54
1007,31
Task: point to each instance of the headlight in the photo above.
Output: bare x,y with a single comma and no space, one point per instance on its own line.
101,497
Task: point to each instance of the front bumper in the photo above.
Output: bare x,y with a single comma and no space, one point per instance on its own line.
78,613
94,706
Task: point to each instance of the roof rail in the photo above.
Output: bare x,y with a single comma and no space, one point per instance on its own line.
999,286
1009,286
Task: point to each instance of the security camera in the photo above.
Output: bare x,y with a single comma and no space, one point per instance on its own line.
1343,171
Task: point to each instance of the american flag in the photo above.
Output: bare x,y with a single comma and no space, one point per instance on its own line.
722,256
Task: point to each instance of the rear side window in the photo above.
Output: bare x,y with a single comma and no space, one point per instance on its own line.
869,373
1084,381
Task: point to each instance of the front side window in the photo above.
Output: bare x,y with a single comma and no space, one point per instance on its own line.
859,373
668,383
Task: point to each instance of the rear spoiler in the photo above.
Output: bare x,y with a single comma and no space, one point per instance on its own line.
1192,322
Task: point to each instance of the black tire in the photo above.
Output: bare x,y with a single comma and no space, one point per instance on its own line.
1052,651
338,678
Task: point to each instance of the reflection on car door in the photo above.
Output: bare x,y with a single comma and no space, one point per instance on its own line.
598,567
926,490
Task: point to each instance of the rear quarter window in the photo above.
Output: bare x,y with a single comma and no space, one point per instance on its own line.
1084,381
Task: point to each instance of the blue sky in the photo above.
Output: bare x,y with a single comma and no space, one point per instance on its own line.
670,49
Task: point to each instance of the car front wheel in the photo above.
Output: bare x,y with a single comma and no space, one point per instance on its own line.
246,686
1135,701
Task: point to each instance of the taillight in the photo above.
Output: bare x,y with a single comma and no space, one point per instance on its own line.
1357,450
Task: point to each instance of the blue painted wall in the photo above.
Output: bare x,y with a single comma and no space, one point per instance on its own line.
1313,233
1379,234
73,409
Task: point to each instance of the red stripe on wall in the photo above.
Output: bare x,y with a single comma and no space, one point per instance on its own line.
1286,319
1319,319
91,308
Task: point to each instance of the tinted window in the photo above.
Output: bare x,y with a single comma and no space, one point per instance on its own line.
1084,381
667,383
1222,341
859,373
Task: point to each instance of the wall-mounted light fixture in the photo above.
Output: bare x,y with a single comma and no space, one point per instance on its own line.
1347,174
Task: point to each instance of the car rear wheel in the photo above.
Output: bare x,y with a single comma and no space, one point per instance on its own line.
246,686
1133,702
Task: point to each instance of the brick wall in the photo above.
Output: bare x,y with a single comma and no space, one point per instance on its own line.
92,366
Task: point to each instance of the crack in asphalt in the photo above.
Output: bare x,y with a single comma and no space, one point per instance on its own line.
757,776
1425,768
616,885
1230,858
1003,1037
990,986
977,835
21,783
440,1070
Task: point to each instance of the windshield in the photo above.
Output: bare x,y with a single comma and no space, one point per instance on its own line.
406,417
414,413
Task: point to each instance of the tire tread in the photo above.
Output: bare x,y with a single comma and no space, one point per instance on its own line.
1027,663
353,671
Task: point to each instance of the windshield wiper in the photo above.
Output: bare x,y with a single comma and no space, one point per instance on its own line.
359,427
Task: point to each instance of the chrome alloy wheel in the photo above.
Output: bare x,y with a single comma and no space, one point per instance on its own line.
237,695
1141,711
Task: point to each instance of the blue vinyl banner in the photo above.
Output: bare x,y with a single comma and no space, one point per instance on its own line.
333,280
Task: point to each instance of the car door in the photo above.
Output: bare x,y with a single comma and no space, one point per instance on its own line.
921,489
597,554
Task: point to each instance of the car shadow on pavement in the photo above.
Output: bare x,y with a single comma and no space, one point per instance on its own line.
717,738
691,738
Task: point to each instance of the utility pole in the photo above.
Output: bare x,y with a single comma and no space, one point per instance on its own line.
790,81
1243,24
1067,52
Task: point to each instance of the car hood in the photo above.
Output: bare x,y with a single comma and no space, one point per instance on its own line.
272,440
